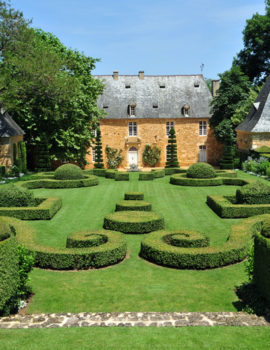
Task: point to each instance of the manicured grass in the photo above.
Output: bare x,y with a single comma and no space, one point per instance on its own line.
117,338
135,284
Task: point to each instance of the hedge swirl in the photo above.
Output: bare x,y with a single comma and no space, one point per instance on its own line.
87,181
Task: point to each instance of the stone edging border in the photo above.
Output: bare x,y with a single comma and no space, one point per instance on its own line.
132,319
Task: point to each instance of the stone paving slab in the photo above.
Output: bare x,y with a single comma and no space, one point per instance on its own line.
132,319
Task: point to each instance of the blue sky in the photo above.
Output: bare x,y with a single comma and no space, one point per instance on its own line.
159,37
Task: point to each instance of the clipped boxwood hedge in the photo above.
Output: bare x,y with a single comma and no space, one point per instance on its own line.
254,193
122,176
183,180
99,172
201,171
68,172
146,176
186,238
261,272
109,253
133,221
226,173
235,249
134,196
170,171
226,207
87,181
85,239
110,173
158,173
133,205
9,266
14,196
45,209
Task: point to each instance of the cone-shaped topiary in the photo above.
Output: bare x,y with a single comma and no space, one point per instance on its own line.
44,162
201,171
98,151
14,196
228,154
68,172
172,160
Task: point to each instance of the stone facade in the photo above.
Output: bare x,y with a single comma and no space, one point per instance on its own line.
6,149
248,140
115,134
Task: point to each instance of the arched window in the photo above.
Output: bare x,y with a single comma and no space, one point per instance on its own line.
132,109
185,110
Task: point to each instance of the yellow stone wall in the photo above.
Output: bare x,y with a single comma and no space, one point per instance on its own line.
6,149
249,140
114,133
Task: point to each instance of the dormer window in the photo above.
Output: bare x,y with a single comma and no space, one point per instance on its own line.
155,105
132,110
162,86
127,86
185,110
196,84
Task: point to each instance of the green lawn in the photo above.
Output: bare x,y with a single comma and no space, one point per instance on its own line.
135,284
117,338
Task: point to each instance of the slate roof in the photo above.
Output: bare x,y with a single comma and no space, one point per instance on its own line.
8,127
178,91
258,119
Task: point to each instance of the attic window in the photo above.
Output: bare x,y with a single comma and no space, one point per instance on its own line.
127,86
155,105
162,86
132,110
185,110
196,84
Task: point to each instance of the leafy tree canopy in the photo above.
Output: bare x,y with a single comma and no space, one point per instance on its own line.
47,88
254,58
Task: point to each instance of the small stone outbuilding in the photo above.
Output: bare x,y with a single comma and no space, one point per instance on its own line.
254,131
141,109
10,135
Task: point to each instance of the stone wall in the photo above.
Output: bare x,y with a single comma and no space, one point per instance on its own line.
6,149
114,133
249,140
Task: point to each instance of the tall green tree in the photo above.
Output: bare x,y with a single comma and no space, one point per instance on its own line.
254,58
234,88
49,89
172,159
98,151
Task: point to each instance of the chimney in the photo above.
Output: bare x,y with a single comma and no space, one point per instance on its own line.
215,87
115,75
141,74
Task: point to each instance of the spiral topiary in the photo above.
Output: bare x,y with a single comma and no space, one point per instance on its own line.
14,196
68,172
201,171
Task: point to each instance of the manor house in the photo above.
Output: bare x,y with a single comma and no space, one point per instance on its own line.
141,109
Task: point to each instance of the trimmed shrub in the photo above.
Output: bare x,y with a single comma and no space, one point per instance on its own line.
85,239
227,161
43,161
266,228
226,207
262,149
254,193
99,172
14,196
98,151
45,209
226,173
155,249
134,196
172,159
2,171
122,176
151,155
109,253
87,181
110,174
146,176
182,180
201,171
186,239
133,205
9,269
68,172
133,222
261,274
158,173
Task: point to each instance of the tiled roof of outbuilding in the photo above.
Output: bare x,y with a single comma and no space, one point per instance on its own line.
8,127
168,93
258,119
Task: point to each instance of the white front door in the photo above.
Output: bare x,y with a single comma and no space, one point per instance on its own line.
132,157
202,154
